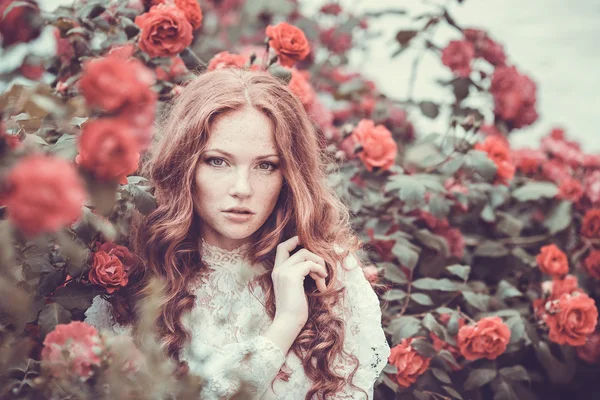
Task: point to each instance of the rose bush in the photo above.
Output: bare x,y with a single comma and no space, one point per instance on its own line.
485,257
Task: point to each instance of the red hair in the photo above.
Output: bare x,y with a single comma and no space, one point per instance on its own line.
167,239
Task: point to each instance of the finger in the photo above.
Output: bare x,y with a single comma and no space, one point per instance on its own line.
284,248
308,267
321,284
305,255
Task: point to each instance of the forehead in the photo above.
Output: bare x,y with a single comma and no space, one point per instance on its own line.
247,132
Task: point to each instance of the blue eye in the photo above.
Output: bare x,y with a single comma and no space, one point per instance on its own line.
209,160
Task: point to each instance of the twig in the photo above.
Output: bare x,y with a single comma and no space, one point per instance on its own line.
408,290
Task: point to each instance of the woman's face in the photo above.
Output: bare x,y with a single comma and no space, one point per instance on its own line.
238,168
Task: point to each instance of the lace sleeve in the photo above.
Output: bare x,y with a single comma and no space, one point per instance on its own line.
254,362
364,336
99,315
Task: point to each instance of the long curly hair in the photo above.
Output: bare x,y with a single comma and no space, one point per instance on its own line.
167,240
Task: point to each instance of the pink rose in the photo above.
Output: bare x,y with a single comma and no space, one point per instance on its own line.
458,56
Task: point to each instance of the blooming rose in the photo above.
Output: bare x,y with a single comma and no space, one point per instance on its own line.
226,59
331,8
289,43
455,240
570,189
485,47
565,150
336,41
590,351
556,170
21,24
592,264
108,149
113,82
72,348
568,285
592,186
591,223
108,271
122,252
379,147
485,339
571,319
301,87
165,31
553,261
499,152
409,363
528,160
514,96
43,194
458,56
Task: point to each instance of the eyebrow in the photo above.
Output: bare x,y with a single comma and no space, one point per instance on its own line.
232,156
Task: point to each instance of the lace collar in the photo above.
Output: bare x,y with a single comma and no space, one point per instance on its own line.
214,255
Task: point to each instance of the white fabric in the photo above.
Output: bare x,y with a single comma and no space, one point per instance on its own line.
227,322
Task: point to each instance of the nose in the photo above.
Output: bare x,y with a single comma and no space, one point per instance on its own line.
241,186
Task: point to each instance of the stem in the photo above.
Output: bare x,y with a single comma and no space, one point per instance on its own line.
408,290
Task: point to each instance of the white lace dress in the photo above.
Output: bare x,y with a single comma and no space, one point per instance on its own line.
227,322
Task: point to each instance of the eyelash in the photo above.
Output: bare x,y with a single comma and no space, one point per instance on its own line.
208,161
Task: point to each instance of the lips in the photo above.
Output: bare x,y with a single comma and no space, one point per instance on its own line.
239,210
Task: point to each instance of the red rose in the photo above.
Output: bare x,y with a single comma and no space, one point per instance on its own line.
591,223
553,261
485,339
32,71
114,82
379,147
7,140
165,31
108,149
458,56
592,264
409,363
485,47
592,186
499,152
371,273
570,189
21,24
514,96
335,40
556,171
567,285
108,271
226,59
566,151
331,9
44,194
590,351
301,87
72,348
289,43
122,252
571,319
528,160
455,240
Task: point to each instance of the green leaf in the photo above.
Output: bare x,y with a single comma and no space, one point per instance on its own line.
51,315
517,328
492,249
429,109
448,357
462,271
419,395
405,36
432,325
443,284
410,189
75,295
535,191
508,224
477,300
433,241
515,373
394,294
424,348
452,392
404,327
66,147
441,375
480,162
144,201
422,299
506,290
393,273
503,391
479,377
559,217
406,254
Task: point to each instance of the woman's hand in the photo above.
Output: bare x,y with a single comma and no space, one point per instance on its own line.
291,304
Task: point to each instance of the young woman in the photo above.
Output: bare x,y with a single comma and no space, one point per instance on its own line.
244,217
